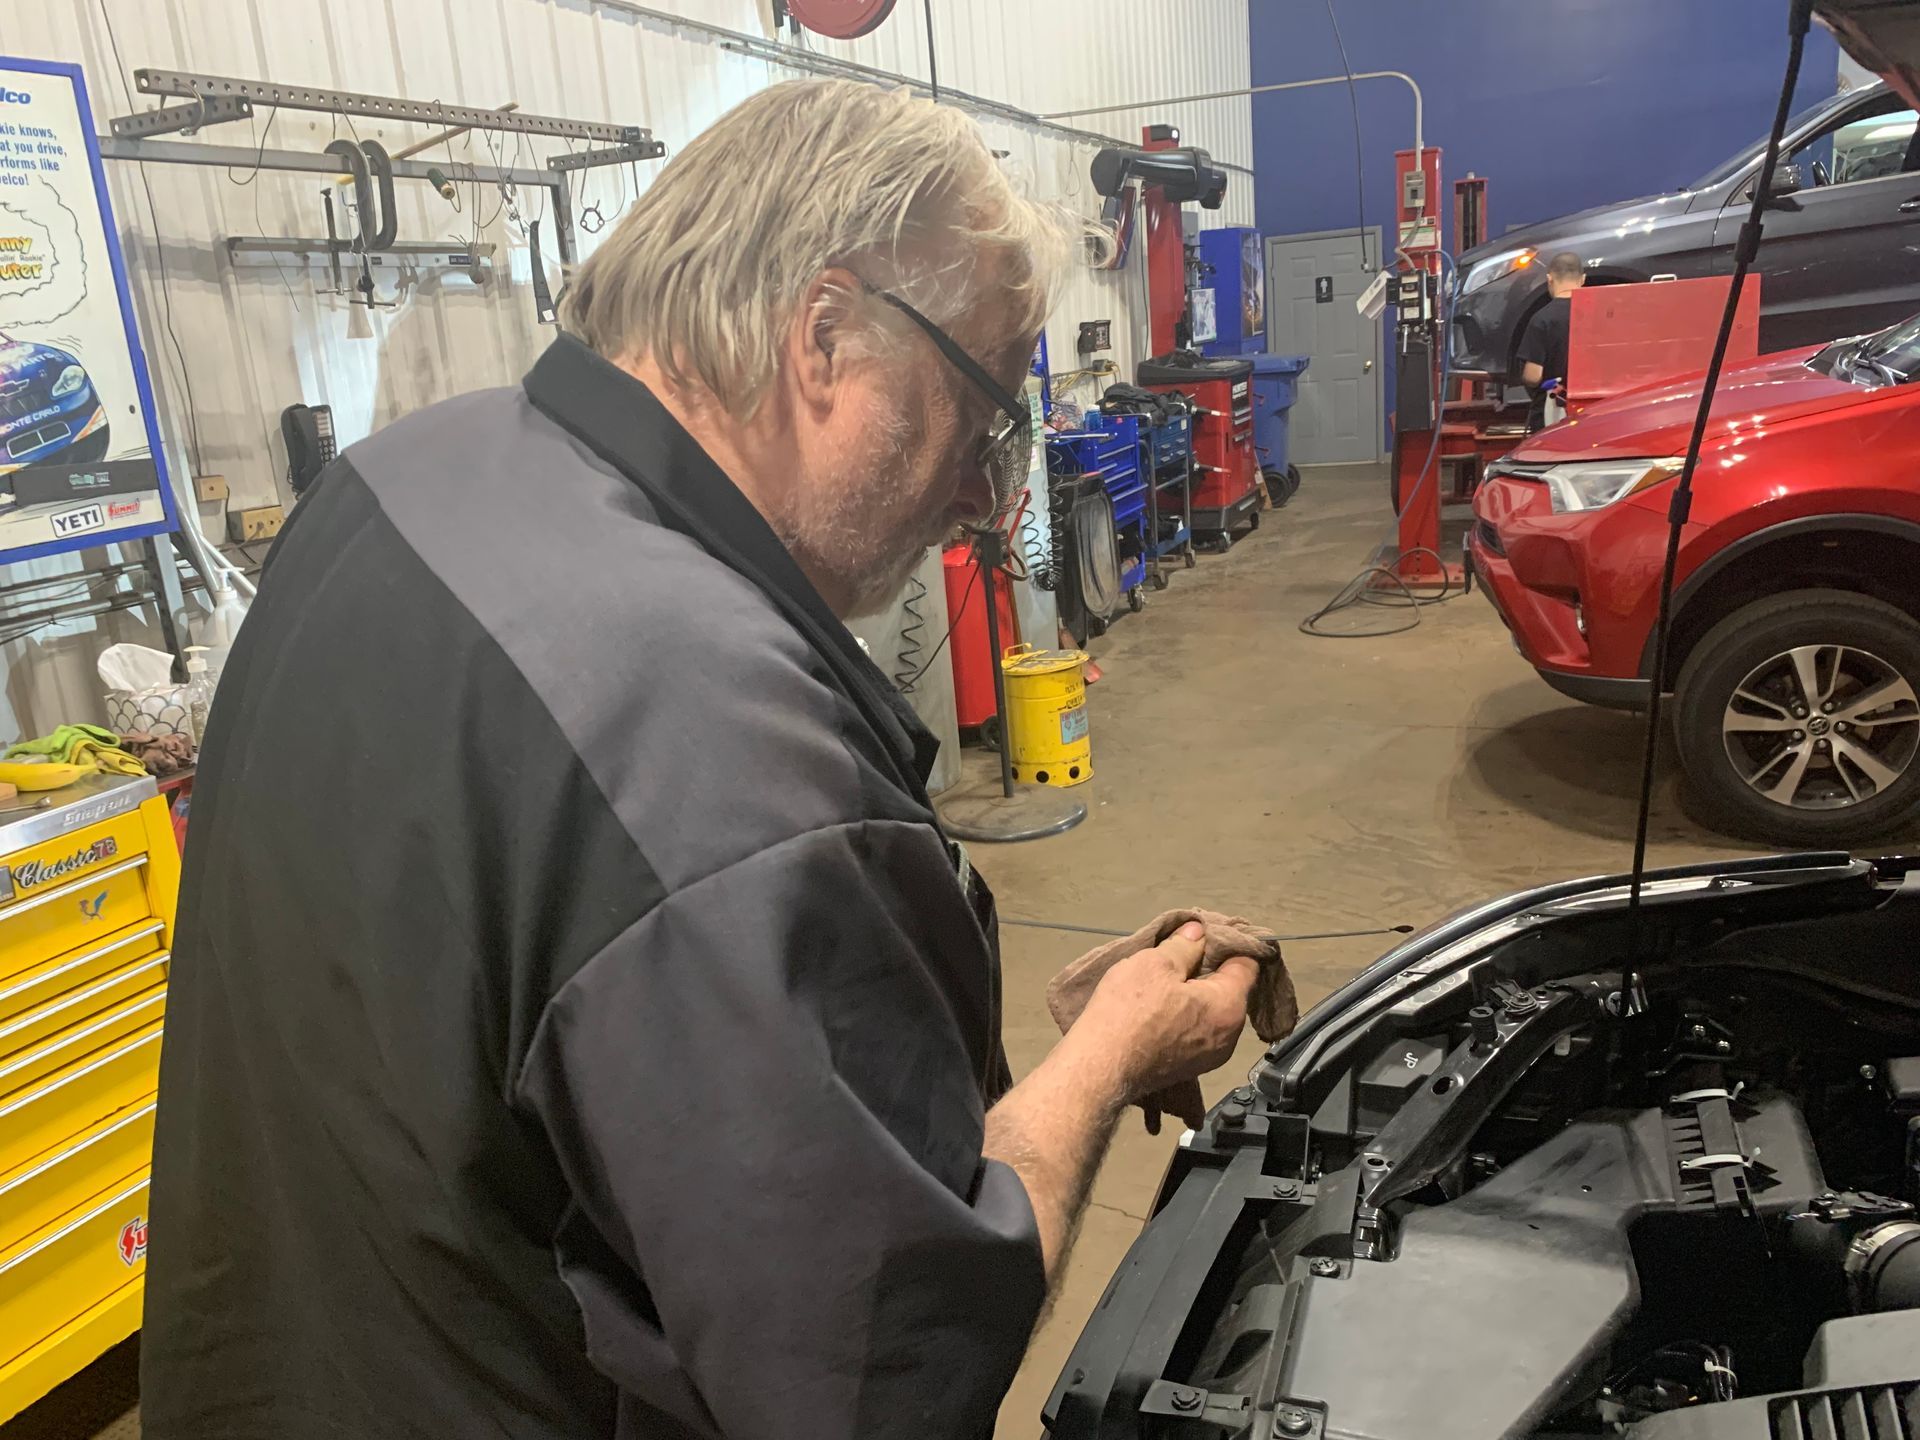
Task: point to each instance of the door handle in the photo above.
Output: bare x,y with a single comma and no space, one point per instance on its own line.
1365,366
1907,207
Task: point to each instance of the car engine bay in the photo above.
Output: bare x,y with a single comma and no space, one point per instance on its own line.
1491,1190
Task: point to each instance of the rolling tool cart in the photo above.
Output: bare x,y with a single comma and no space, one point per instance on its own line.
1167,461
1109,450
1225,491
87,889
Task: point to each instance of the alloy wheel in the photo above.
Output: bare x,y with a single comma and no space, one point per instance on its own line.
1821,727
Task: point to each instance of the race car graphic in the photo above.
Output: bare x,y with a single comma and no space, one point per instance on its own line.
48,408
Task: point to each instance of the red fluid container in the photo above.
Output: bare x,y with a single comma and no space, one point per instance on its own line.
972,657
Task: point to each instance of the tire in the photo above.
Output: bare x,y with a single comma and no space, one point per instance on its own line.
1742,692
990,734
1136,601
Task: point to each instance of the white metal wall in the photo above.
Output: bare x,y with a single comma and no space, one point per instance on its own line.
254,341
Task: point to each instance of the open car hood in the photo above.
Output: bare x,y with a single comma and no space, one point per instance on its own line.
1883,35
1478,1193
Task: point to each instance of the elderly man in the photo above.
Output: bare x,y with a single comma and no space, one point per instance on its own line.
580,1027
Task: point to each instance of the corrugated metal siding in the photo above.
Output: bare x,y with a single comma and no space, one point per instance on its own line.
256,341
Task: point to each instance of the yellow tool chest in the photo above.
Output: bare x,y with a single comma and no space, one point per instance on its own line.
87,887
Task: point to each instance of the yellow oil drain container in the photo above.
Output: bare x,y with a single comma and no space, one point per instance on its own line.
1047,715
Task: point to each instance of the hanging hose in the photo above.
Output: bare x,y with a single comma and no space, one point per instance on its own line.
1053,574
1043,562
908,672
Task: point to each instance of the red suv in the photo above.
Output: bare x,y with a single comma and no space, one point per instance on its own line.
1796,637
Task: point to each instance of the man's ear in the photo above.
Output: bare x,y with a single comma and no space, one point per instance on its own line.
818,336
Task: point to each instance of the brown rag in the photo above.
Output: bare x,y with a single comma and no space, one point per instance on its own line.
1272,1006
162,754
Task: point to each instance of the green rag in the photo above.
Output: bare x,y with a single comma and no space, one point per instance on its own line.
59,746
88,745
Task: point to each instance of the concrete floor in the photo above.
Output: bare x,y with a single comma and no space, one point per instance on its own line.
1308,784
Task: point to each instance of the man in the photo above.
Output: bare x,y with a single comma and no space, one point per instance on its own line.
580,1027
1543,346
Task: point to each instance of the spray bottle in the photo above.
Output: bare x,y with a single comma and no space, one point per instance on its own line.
215,632
199,692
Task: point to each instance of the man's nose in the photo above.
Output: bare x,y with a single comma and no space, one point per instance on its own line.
974,503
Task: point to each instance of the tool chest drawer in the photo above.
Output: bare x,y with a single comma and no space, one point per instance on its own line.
89,877
72,1263
40,985
50,1112
76,1043
50,1184
70,915
72,1008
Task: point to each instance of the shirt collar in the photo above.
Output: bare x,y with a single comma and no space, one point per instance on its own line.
622,422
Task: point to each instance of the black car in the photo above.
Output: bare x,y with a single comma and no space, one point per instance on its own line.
1841,253
1504,1185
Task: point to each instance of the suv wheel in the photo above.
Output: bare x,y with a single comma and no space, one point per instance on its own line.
1798,719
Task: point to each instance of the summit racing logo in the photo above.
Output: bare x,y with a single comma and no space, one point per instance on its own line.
43,872
133,1241
14,97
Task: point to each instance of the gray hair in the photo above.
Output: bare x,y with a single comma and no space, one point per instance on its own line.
705,271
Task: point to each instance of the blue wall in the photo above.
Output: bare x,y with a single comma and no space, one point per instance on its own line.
1562,104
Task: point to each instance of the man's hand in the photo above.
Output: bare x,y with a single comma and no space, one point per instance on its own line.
1158,1023
1150,1024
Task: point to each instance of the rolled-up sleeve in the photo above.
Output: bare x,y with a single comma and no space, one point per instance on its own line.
768,1108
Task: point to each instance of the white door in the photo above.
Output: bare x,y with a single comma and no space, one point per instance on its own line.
1312,283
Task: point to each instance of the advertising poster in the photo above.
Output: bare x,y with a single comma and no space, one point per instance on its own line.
80,459
1253,287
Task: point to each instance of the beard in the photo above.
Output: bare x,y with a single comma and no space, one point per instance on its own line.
859,530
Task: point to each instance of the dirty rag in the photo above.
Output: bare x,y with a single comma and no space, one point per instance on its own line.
1272,1006
162,755
86,745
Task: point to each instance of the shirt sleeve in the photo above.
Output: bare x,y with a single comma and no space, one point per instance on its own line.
771,1120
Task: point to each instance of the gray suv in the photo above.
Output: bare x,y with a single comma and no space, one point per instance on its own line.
1840,253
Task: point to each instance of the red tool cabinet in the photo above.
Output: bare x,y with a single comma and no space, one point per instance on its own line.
1226,477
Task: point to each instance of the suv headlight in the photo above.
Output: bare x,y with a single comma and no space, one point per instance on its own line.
1589,484
71,379
1496,267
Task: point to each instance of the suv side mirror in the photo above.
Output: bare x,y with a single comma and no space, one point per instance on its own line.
1787,180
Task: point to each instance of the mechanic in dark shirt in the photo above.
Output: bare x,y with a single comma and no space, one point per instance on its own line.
1543,348
580,1028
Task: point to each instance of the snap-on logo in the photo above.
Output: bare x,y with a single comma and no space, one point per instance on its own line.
133,1240
13,97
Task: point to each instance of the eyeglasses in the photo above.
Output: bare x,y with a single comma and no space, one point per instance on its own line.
1006,450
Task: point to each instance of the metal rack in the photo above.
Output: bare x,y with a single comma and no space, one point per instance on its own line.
1167,451
219,99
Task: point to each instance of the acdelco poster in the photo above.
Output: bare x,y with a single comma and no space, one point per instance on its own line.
80,459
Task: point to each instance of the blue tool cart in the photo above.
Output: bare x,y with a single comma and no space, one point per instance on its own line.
1111,449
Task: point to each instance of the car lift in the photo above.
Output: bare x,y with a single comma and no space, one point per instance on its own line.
1474,428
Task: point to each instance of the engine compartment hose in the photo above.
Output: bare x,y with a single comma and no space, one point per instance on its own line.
1883,1267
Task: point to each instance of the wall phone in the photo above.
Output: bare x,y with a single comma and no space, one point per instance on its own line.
308,432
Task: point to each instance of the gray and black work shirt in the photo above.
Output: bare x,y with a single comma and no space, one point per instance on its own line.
579,1026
